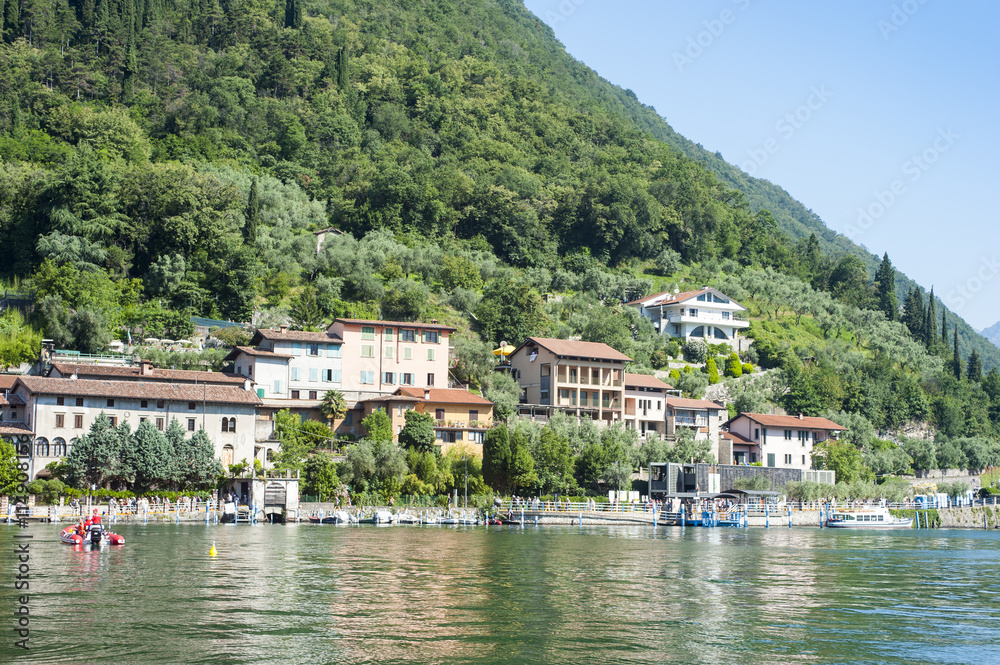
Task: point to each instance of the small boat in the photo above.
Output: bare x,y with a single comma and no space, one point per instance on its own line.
407,518
430,519
321,519
873,518
95,536
378,517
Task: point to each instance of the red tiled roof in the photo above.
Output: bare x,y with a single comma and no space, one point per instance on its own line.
10,399
395,397
154,374
446,396
684,403
394,324
13,429
805,422
43,385
575,348
7,380
250,351
671,297
737,439
645,381
294,336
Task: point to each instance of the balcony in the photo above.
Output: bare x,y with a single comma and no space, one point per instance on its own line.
690,421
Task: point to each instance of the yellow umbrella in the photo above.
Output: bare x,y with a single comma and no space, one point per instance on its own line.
504,350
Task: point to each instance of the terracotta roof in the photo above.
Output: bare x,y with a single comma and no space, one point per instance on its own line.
575,348
645,381
7,380
43,385
250,351
155,374
670,297
684,403
737,439
395,397
805,422
446,396
295,336
14,429
394,324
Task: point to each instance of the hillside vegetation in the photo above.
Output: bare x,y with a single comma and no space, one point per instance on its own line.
168,158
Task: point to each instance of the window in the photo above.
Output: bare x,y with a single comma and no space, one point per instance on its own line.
399,410
693,312
232,424
277,387
111,402
407,379
296,348
430,337
312,394
60,401
803,460
60,420
388,378
438,414
142,419
313,374
78,421
368,332
144,404
698,332
159,424
756,434
270,455
295,394
349,419
190,424
331,375
788,435
387,333
430,380
388,353
114,421
788,459
59,448
367,350
430,354
42,448
595,376
295,374
79,401
313,349
333,350
229,424
225,424
473,414
159,404
572,375
583,399
702,297
190,406
406,336
367,377
407,353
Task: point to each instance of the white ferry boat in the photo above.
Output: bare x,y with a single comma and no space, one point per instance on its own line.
873,518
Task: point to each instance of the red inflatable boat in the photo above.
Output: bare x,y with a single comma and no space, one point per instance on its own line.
95,536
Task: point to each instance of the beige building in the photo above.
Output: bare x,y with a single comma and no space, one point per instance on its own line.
57,411
144,371
583,378
779,441
645,404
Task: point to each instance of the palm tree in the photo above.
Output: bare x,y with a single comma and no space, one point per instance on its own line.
333,406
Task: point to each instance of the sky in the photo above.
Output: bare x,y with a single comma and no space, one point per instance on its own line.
875,114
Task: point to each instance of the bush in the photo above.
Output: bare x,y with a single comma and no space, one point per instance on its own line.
712,371
748,368
673,349
695,351
733,366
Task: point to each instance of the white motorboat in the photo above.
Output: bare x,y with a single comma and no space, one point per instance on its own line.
871,518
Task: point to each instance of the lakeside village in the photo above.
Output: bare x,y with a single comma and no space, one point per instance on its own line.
386,386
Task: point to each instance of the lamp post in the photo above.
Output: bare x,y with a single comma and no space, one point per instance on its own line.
465,459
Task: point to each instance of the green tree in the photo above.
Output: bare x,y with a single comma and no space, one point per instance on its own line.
956,358
504,392
885,285
553,462
252,215
320,476
418,432
712,371
97,458
497,458
974,367
10,475
378,425
842,458
734,367
19,343
148,454
510,311
333,406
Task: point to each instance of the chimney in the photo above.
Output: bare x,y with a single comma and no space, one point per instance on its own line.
283,328
427,393
434,321
800,416
145,368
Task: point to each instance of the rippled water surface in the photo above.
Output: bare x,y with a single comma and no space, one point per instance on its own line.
324,594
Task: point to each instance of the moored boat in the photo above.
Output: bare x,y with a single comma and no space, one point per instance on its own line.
872,518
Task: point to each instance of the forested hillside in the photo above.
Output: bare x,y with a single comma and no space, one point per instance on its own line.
163,159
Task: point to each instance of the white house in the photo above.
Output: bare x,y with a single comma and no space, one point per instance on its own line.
706,314
778,441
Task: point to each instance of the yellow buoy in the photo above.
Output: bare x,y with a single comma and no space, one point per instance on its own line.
211,552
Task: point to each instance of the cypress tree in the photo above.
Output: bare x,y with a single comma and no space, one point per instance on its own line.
293,14
885,280
930,326
343,77
944,327
130,67
974,368
956,361
914,314
252,215
11,20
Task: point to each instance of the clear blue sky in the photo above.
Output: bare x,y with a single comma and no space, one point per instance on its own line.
832,101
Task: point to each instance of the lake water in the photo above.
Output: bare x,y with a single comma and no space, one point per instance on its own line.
326,594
